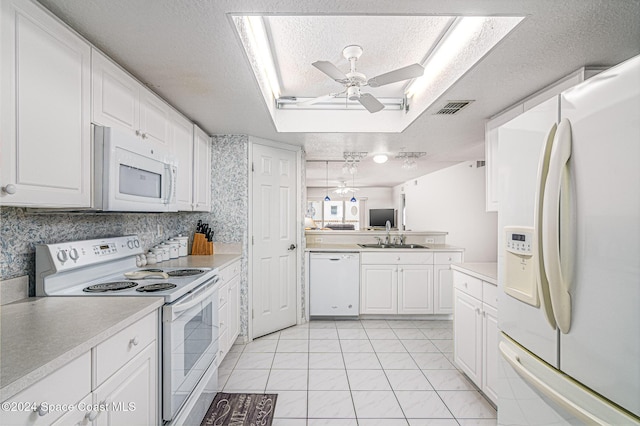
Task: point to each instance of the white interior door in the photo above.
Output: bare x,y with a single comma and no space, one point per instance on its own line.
274,186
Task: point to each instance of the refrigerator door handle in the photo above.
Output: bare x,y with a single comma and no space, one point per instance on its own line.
538,261
551,226
528,376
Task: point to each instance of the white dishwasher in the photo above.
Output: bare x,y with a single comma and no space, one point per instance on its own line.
334,284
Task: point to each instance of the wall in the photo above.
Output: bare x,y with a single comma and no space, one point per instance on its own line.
230,201
453,200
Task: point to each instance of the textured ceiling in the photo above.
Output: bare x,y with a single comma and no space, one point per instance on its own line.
189,53
388,42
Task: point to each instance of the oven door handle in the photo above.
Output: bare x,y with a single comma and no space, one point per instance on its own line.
196,297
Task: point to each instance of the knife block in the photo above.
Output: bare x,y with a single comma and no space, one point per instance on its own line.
201,246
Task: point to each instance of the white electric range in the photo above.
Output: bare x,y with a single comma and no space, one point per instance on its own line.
107,267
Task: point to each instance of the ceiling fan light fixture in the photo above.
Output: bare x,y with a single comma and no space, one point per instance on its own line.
353,93
380,158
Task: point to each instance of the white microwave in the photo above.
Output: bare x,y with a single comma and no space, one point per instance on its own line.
131,174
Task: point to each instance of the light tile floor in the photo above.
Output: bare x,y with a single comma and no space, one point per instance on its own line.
367,372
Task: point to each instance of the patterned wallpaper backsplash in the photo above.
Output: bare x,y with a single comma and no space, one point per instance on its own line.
230,199
22,229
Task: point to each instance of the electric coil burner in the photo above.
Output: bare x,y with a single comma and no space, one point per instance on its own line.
156,287
105,287
184,272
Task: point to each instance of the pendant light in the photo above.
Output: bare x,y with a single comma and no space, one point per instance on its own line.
327,198
353,185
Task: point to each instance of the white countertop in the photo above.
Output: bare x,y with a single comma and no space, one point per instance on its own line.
218,260
485,271
356,247
41,334
38,335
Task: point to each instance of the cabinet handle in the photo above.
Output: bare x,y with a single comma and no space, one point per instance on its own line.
466,285
92,415
9,189
398,258
478,311
144,136
41,410
134,341
138,132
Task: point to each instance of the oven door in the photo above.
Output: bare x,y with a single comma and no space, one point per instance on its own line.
190,344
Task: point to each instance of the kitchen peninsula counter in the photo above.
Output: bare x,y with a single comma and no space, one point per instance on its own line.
333,247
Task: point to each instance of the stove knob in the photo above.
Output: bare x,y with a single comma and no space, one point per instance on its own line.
62,256
73,254
130,244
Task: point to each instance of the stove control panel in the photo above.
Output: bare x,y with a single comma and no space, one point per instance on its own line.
76,254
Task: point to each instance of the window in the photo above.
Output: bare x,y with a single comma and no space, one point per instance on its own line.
336,212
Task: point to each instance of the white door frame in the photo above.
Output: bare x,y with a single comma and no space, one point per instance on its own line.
299,225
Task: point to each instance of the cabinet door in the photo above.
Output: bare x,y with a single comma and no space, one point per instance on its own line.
182,148
234,309
154,118
379,289
490,352
131,394
115,95
443,290
415,289
45,128
201,171
467,335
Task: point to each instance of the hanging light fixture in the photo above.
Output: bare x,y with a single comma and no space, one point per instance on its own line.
353,185
409,159
327,198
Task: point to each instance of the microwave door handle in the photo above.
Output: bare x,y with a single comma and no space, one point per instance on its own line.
172,178
196,298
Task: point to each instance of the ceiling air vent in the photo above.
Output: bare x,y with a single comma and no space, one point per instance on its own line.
452,107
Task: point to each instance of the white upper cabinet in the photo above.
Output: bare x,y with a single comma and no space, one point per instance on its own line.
45,110
181,131
121,101
201,171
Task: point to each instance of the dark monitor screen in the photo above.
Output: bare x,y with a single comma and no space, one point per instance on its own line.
379,217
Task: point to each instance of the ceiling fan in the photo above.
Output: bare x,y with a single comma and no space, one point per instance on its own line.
353,80
343,189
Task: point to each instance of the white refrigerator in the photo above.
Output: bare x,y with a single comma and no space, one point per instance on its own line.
569,256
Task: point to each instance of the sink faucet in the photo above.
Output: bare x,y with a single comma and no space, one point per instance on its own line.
379,240
387,227
402,239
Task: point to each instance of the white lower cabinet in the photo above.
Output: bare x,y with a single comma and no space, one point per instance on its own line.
115,383
401,282
475,331
379,289
415,289
443,281
130,395
228,308
69,384
396,283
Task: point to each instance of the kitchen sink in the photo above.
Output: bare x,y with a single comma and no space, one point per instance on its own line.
391,246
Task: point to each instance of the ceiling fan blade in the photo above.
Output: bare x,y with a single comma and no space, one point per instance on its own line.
317,100
370,102
329,69
404,73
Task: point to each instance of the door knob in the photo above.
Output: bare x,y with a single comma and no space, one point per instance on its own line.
292,247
